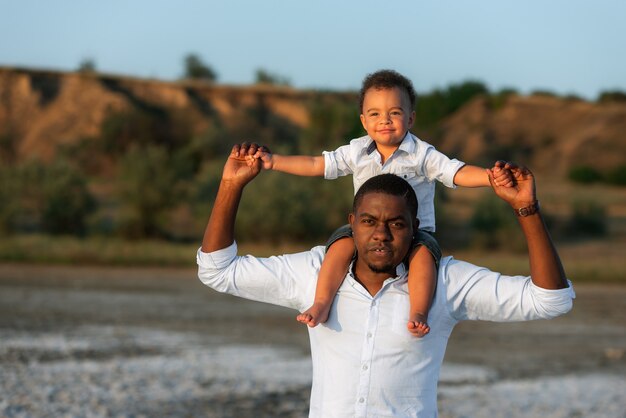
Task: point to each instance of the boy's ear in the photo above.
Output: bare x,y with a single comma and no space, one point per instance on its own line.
411,119
363,121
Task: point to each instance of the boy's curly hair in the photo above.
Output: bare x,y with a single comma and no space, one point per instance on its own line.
386,79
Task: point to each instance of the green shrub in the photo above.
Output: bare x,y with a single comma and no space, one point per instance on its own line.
617,176
588,219
50,198
494,225
584,174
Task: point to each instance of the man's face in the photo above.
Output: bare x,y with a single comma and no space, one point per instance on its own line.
387,116
383,230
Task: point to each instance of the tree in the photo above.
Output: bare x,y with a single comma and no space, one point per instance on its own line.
265,77
195,68
612,96
147,188
87,65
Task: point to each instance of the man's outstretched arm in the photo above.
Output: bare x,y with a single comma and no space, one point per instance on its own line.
546,269
271,280
239,170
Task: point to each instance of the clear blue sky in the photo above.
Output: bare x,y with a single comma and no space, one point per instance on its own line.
565,46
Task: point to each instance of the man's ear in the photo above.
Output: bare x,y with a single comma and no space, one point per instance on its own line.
350,218
416,225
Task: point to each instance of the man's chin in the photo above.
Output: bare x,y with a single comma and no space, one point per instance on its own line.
381,268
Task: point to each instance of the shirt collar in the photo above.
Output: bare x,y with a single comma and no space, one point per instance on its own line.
407,145
401,275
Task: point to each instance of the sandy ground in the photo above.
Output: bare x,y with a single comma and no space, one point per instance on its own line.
156,342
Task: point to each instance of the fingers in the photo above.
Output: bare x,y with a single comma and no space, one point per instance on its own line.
251,149
503,177
261,152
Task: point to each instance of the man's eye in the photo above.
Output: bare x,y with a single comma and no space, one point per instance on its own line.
398,224
367,221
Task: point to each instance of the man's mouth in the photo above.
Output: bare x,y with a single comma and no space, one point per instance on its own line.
380,250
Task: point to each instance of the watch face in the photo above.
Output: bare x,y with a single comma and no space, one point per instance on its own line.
524,211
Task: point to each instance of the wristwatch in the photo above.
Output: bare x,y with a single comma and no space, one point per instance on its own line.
528,210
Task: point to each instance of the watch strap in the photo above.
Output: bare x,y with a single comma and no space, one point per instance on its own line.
528,210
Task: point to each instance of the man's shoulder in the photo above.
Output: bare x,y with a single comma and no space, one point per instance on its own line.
309,260
453,271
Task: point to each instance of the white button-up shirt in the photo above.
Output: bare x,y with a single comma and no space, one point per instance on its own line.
416,161
365,362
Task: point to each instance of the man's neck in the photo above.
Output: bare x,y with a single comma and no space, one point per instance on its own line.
372,281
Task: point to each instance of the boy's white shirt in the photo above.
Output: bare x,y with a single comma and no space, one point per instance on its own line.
415,160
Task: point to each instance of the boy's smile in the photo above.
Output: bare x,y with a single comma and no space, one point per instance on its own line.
387,116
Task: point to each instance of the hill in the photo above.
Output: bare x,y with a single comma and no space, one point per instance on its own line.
549,134
41,110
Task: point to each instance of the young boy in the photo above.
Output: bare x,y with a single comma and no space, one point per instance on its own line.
387,100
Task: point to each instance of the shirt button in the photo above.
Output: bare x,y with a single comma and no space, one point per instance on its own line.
365,367
361,400
369,335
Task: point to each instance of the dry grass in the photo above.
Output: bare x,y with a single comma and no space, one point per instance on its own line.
591,261
598,261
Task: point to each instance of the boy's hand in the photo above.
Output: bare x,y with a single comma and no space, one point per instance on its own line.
264,154
522,193
252,152
502,175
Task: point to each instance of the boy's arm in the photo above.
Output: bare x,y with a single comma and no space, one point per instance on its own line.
300,165
472,176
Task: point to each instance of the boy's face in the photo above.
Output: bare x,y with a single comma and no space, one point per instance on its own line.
387,116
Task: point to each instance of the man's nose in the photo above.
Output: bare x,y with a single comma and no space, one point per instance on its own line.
382,232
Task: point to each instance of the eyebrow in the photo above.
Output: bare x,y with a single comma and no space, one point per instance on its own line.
375,108
367,215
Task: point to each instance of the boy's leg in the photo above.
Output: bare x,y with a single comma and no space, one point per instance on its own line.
423,266
332,272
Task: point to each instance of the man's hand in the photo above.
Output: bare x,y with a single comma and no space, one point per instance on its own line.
241,166
522,193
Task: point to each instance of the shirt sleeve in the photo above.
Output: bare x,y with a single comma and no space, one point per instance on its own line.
437,166
287,280
476,293
337,163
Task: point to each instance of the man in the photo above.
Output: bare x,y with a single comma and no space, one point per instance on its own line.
365,362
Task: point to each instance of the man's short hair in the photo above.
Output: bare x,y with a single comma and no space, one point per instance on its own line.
386,79
388,184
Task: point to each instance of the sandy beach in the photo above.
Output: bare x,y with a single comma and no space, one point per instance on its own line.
124,342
